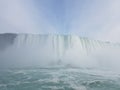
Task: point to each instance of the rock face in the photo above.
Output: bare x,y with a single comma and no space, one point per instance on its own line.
6,40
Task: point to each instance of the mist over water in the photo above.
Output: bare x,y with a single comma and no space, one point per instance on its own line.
58,62
32,50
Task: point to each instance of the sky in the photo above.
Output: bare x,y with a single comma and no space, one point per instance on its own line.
95,19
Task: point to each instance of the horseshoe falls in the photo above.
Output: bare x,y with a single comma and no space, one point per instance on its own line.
55,50
58,62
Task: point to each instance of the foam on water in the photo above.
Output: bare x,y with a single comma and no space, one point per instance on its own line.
57,79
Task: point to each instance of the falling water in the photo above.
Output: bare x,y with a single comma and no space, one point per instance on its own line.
50,50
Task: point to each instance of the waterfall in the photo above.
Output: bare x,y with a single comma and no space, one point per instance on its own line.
33,49
59,44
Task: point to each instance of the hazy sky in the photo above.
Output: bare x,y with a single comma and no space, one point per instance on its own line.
97,19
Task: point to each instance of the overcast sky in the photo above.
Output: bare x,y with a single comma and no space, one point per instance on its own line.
96,19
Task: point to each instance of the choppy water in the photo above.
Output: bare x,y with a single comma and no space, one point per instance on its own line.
58,79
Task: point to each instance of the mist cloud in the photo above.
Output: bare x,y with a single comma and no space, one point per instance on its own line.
94,19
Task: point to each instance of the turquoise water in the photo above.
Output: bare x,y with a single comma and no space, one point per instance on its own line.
58,79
